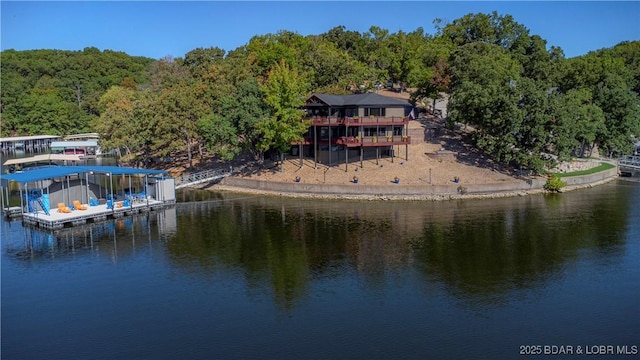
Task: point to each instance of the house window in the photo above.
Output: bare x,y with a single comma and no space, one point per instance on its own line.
324,133
374,111
370,131
397,130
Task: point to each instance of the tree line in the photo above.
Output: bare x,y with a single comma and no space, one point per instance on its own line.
526,103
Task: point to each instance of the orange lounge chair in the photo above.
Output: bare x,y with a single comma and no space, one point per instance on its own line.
63,208
78,206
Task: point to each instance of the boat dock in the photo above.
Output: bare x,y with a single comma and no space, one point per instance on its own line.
92,214
65,196
38,143
629,166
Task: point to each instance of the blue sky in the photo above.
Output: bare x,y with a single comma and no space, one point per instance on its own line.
160,28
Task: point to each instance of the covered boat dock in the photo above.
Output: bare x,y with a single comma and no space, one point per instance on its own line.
36,143
62,196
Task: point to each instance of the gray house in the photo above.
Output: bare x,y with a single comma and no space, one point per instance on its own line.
347,128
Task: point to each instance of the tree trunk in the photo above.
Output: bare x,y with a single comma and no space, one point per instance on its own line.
118,157
188,141
189,154
281,162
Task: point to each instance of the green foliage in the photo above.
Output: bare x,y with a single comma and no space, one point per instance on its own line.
219,135
56,92
602,167
523,100
554,184
285,92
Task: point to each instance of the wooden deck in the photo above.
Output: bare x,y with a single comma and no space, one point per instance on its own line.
56,220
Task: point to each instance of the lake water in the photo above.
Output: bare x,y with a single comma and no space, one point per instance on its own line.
230,276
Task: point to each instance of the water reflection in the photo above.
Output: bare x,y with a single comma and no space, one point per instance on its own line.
479,250
117,237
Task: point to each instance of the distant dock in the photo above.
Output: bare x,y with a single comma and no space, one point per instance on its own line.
629,166
31,144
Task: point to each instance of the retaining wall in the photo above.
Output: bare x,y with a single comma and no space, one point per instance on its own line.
513,187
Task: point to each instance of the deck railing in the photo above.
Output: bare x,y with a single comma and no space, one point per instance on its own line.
630,161
355,140
357,120
208,175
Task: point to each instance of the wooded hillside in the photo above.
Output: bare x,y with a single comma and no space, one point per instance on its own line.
525,100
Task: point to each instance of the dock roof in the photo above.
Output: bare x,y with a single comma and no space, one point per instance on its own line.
57,171
42,158
26,138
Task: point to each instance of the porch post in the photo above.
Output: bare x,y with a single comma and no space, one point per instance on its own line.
68,191
406,144
330,137
21,200
86,177
377,147
315,147
81,189
130,193
346,158
113,200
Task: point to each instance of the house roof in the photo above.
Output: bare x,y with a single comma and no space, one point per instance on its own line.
368,99
57,171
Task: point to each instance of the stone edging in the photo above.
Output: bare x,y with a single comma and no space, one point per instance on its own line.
409,193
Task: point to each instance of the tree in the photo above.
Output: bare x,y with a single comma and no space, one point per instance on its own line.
219,135
246,113
284,94
621,109
199,60
266,50
179,109
577,120
611,84
510,113
500,30
116,124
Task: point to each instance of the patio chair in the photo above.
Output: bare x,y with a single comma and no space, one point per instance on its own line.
78,206
63,208
93,202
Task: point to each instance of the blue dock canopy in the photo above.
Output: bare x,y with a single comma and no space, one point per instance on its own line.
58,171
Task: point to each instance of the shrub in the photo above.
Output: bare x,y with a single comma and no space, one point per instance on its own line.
554,183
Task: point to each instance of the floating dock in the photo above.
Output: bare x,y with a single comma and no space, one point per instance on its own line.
57,220
47,194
